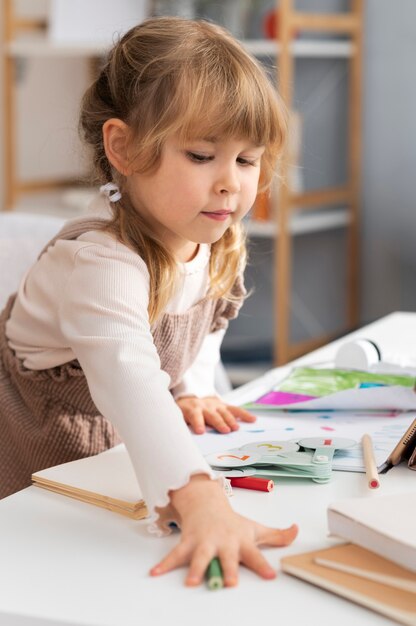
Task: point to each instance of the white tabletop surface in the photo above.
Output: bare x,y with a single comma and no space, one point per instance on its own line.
65,562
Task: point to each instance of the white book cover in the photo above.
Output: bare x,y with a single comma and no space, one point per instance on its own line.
109,475
383,524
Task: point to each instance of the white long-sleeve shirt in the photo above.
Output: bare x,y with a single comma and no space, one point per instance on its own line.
87,299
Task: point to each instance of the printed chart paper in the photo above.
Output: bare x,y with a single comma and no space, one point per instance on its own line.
385,430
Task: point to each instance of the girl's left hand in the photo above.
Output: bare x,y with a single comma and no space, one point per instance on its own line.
212,411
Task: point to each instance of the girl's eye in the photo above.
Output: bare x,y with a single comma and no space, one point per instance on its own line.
199,158
243,161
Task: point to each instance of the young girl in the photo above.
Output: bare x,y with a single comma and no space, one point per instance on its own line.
115,331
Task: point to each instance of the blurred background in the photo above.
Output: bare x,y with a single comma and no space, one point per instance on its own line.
346,221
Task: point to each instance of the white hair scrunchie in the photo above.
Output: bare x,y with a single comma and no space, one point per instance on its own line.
112,191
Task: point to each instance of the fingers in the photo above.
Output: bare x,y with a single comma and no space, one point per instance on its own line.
195,419
200,561
198,418
254,560
211,411
241,414
229,559
224,417
199,564
220,419
230,556
178,557
276,537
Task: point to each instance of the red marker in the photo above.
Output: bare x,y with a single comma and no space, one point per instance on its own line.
251,482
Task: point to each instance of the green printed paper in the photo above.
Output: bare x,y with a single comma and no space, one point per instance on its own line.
323,382
312,384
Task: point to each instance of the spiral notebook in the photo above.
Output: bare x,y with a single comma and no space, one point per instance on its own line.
106,480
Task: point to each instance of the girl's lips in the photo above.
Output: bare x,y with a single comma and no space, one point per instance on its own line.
220,216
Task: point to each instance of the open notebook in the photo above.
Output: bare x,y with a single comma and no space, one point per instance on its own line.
106,480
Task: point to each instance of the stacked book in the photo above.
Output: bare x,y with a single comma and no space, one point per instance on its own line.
106,480
378,568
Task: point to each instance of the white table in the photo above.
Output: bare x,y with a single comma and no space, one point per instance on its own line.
64,562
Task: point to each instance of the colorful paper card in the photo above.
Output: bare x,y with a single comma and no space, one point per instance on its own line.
277,398
308,388
385,429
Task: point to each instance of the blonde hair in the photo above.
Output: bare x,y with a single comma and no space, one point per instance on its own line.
189,78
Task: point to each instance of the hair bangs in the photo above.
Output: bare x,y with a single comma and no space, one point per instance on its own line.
208,88
232,102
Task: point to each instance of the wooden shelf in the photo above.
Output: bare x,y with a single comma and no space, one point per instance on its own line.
308,48
301,223
41,46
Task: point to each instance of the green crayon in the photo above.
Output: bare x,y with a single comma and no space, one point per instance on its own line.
214,575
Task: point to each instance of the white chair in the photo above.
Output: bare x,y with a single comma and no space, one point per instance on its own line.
22,237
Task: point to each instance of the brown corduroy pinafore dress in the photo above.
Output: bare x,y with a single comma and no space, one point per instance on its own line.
48,417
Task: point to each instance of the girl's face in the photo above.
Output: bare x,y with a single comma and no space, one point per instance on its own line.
198,191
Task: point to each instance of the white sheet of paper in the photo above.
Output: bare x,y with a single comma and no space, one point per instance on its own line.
385,431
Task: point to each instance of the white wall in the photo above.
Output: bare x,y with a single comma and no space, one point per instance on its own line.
389,167
48,95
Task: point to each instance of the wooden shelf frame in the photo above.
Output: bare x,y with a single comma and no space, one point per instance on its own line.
32,30
351,24
12,27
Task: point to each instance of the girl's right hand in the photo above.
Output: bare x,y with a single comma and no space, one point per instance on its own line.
211,528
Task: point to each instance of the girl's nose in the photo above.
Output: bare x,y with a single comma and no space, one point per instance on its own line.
228,182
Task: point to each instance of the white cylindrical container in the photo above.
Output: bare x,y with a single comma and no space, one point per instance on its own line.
357,354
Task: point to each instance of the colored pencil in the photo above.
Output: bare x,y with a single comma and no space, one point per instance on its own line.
252,482
214,575
370,462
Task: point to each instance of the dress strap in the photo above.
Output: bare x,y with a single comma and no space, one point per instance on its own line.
75,228
227,310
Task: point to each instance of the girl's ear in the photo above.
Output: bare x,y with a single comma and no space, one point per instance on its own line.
116,139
